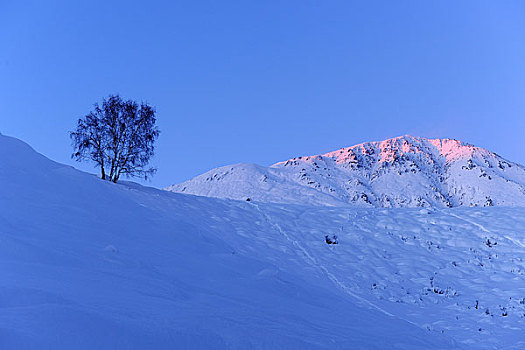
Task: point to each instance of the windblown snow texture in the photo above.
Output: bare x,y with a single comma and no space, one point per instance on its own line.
88,264
400,172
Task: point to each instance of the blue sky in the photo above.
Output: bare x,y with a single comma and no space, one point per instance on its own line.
263,81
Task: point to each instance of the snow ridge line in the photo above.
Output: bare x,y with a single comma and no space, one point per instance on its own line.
312,261
482,228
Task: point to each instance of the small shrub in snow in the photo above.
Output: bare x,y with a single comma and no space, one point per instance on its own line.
331,240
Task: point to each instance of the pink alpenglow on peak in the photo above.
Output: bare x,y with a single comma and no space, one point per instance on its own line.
391,149
404,171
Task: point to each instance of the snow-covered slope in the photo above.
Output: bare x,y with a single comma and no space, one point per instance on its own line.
87,264
404,171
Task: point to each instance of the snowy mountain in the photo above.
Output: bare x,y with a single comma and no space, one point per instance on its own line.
88,264
404,171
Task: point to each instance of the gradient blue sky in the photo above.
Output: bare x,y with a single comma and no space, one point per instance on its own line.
263,81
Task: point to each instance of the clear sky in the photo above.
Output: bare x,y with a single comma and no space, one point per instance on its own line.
263,81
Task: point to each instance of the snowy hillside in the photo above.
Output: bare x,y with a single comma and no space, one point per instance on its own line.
88,264
404,171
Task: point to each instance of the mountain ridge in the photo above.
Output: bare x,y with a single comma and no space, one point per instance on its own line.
403,171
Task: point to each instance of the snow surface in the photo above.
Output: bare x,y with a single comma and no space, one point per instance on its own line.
404,171
87,264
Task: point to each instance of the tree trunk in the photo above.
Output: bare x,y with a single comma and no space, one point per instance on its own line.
102,173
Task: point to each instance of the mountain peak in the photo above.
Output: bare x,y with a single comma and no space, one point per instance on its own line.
390,150
404,171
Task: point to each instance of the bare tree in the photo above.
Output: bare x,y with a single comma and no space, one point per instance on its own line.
118,137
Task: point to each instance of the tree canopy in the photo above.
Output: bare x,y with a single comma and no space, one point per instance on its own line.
118,136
